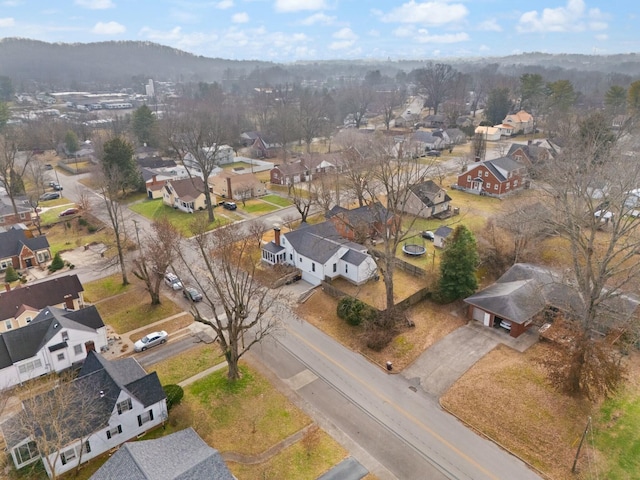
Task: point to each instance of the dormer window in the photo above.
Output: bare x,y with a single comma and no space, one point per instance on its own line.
65,336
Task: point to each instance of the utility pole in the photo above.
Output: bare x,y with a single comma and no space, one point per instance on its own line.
584,434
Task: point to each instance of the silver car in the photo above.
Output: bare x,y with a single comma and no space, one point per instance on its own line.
172,280
151,340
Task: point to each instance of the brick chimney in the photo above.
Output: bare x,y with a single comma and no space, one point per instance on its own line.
276,236
90,346
229,192
68,302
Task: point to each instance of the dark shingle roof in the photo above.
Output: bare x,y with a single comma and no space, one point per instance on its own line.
183,455
273,248
427,192
25,342
188,189
39,295
12,241
443,231
354,257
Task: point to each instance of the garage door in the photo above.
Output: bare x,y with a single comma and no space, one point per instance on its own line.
478,314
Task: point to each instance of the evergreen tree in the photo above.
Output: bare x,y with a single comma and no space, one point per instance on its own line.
57,263
4,114
71,141
458,266
144,124
10,275
498,105
118,157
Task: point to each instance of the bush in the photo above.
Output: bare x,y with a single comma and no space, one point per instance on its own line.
82,222
355,311
57,263
92,229
174,394
11,275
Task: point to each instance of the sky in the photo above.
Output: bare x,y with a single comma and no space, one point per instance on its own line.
291,30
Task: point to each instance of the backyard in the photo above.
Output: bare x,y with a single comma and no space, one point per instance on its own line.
156,209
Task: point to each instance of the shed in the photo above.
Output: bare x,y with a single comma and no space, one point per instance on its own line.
441,235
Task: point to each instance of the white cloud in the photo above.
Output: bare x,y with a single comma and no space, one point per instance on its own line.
318,19
345,38
490,25
570,18
224,4
602,36
242,17
95,4
298,5
404,31
108,28
374,33
7,22
424,37
434,12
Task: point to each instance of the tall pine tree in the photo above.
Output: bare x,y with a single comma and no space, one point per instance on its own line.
458,266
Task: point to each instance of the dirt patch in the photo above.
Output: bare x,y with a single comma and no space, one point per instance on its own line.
432,322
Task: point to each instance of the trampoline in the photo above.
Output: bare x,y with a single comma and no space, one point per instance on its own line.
414,250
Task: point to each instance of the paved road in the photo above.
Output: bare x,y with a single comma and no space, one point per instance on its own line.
404,430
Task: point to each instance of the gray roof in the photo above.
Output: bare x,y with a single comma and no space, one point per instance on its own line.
443,231
39,295
503,163
98,386
12,240
183,455
273,248
25,342
6,208
427,192
367,214
354,257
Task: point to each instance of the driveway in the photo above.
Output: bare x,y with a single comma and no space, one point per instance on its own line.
443,363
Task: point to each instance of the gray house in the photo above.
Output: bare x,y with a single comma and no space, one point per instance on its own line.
441,235
426,200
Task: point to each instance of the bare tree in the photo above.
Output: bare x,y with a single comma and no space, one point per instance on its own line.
36,180
13,164
323,192
387,102
55,419
257,229
284,126
241,307
311,117
302,199
111,184
199,131
356,101
357,170
155,254
437,81
594,210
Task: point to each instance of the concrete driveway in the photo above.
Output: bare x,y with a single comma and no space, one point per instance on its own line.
447,360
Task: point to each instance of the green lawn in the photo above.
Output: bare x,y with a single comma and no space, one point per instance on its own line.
155,209
189,363
133,309
617,436
52,215
257,206
104,288
277,200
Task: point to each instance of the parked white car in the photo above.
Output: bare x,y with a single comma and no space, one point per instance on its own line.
172,280
151,340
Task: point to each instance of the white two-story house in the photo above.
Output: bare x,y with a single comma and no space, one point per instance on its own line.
321,254
115,401
55,340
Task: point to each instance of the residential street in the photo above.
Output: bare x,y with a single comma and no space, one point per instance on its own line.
392,428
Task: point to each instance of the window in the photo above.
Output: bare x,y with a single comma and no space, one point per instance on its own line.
124,406
335,267
28,319
86,448
300,259
488,185
68,455
346,268
60,357
468,178
486,174
22,215
313,267
8,324
291,257
30,366
114,431
77,349
145,417
26,452
495,187
65,336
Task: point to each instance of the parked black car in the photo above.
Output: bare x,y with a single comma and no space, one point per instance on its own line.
229,205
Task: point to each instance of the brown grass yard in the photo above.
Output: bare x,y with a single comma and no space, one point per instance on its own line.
432,323
506,397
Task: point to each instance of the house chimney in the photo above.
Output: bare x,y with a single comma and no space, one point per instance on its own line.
229,192
276,236
68,302
7,287
89,346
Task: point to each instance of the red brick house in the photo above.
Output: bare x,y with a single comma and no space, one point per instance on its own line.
496,177
361,223
289,173
22,251
8,215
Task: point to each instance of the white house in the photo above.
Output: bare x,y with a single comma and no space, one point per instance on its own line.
490,134
119,401
223,155
522,122
321,254
56,339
